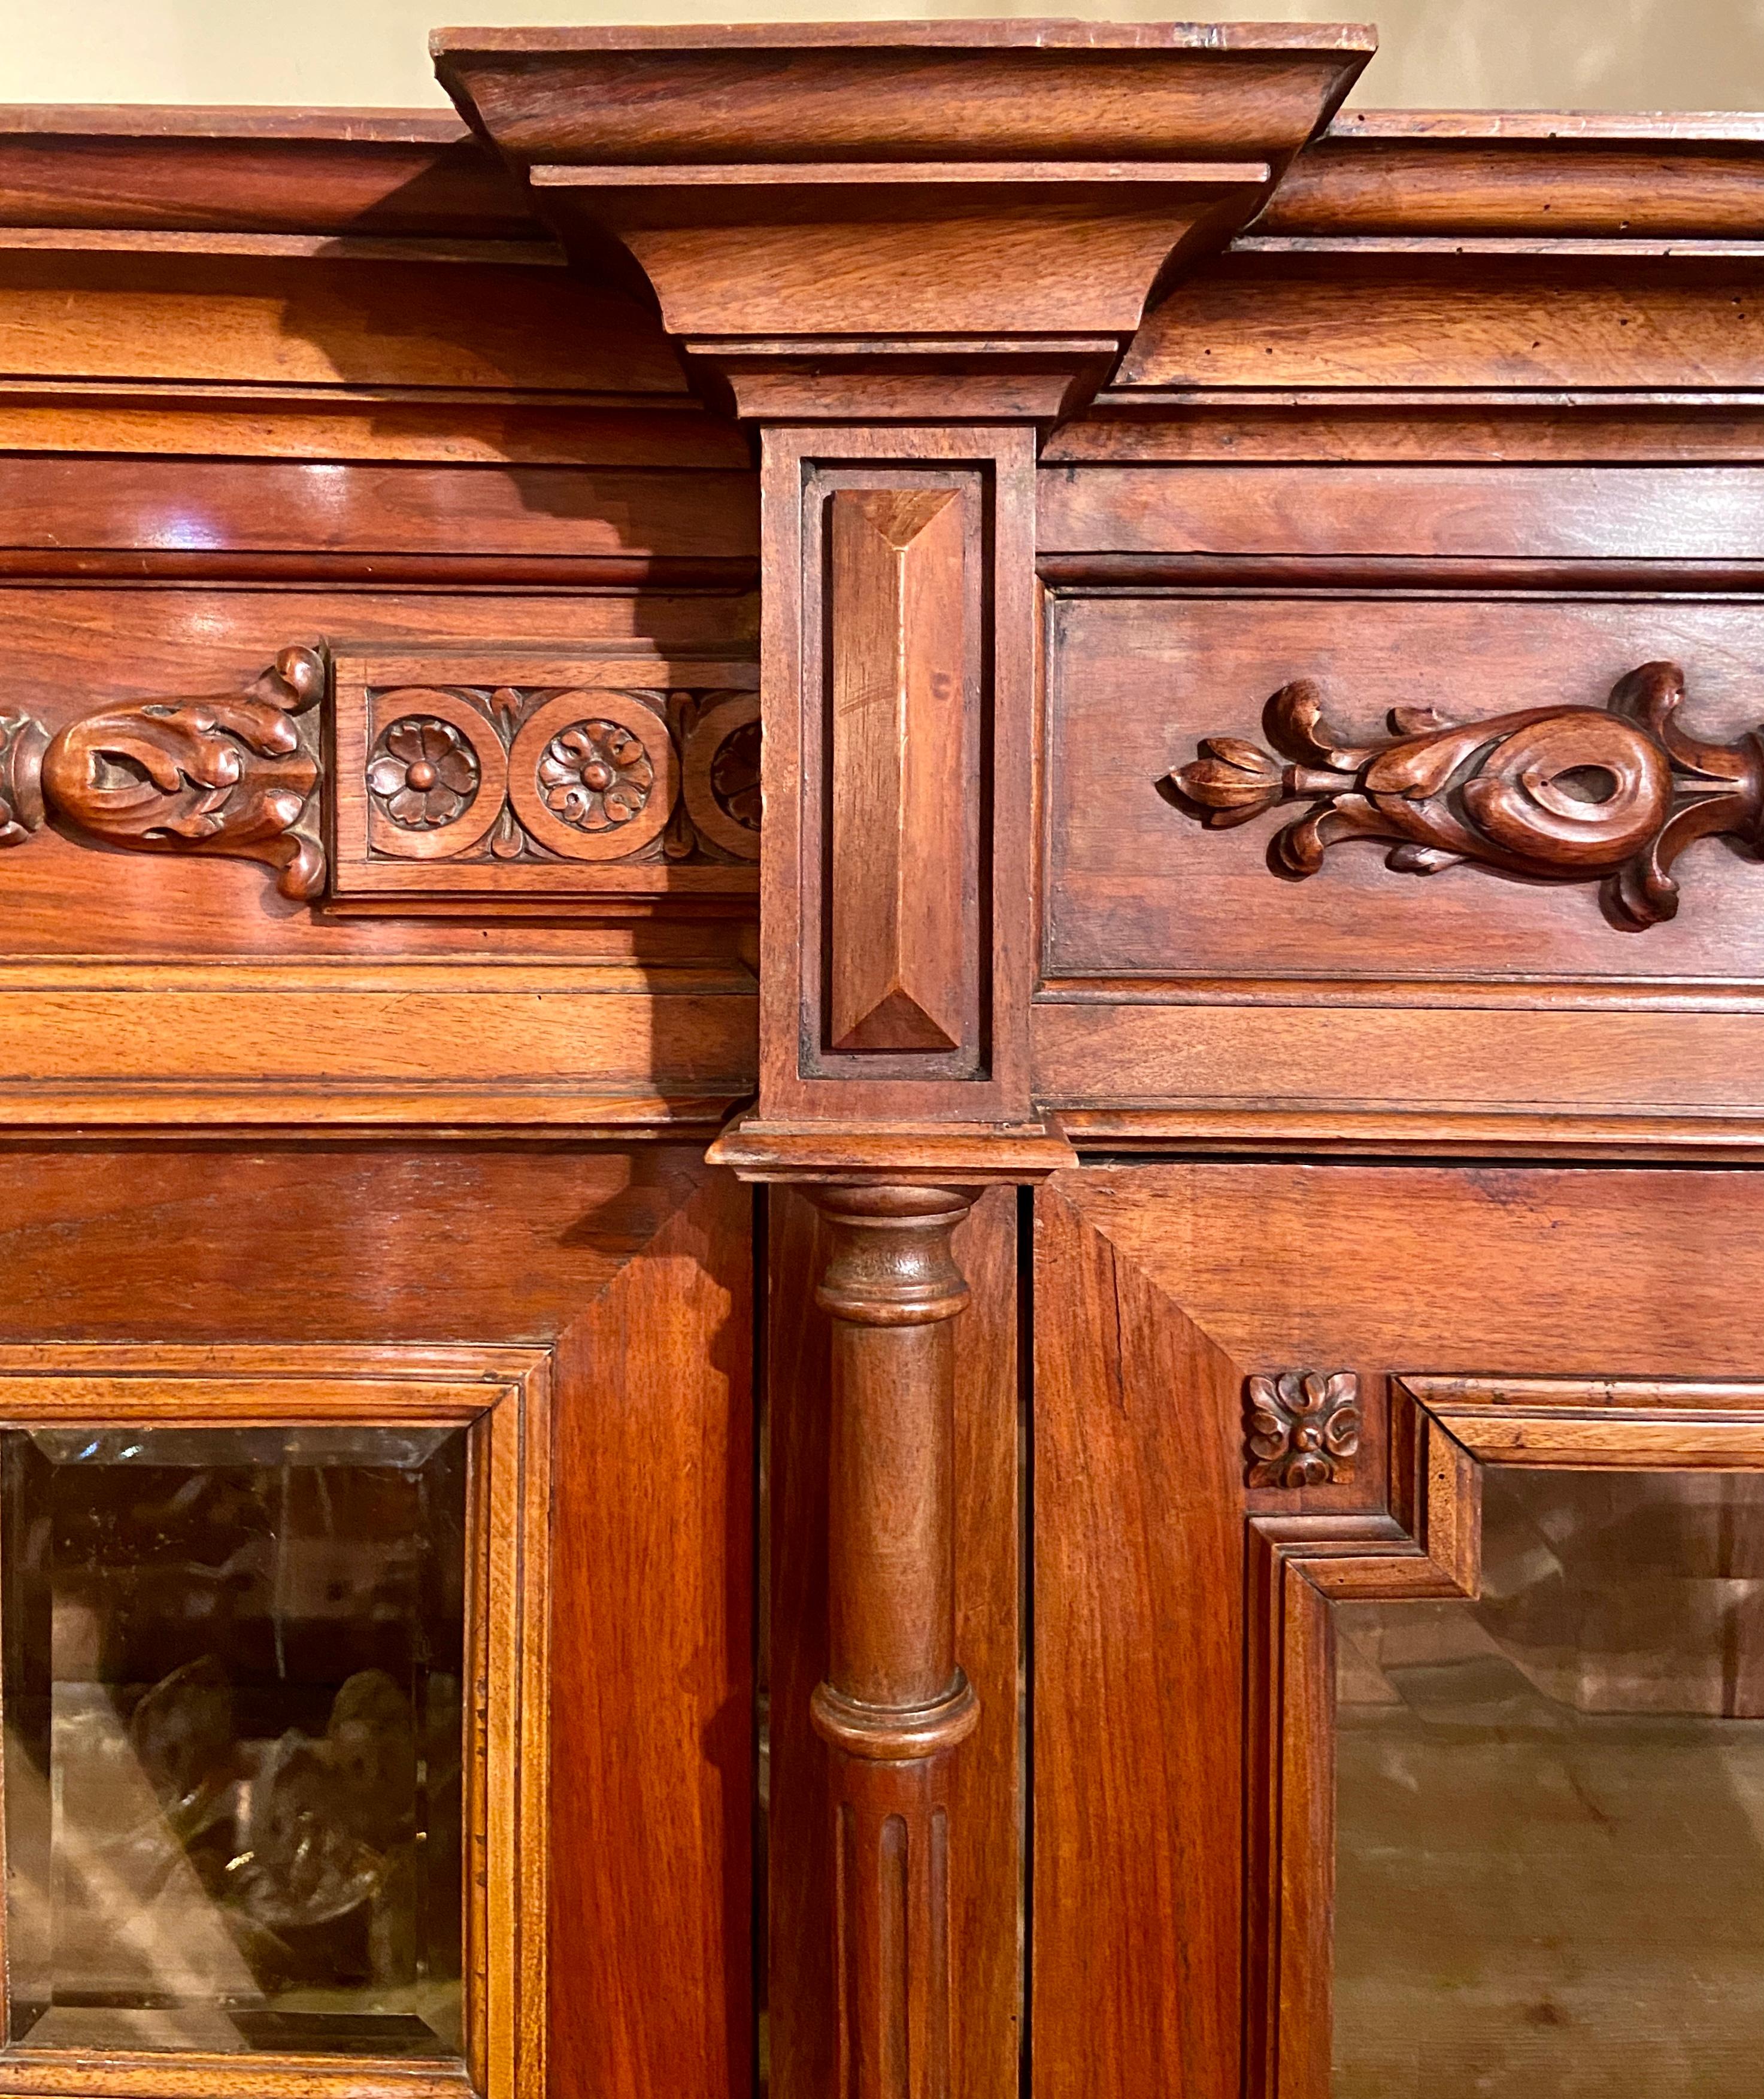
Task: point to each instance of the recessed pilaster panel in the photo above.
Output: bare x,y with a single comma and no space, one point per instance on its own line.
897,669
903,887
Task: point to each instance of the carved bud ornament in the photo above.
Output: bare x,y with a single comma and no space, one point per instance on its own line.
1566,793
235,773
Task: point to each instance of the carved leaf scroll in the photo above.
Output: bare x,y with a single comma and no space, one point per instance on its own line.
1304,1429
1565,793
234,773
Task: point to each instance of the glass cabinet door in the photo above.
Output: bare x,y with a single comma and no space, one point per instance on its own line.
1515,1822
1549,1803
244,1779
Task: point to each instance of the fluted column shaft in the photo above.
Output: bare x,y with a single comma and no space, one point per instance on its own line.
895,1704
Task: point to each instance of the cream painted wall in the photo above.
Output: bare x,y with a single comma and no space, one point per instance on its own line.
1435,54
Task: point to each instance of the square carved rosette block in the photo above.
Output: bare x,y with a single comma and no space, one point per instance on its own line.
550,780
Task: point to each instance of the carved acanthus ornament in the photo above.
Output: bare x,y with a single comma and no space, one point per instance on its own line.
1304,1429
234,773
1566,793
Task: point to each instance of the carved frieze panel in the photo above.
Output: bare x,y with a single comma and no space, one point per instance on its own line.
519,777
1585,811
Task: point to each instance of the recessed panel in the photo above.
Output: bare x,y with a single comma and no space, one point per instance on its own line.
1138,886
1550,1849
234,1790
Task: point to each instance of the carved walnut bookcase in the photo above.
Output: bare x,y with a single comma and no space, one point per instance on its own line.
772,1307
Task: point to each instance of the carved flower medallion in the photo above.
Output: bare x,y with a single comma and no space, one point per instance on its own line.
595,775
423,773
721,775
1304,1429
735,776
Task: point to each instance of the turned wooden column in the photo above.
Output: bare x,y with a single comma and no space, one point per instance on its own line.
895,1703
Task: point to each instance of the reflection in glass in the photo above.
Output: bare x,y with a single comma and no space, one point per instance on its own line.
1551,1804
232,1682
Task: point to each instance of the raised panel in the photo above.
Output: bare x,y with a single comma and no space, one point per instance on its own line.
901,844
897,675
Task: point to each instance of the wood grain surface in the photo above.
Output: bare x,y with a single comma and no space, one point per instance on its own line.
1159,1291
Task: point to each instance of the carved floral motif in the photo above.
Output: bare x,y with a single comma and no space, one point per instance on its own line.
423,772
480,773
720,746
735,776
1566,793
1304,1428
234,773
596,775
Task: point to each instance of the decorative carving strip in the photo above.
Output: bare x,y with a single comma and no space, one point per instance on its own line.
234,773
1568,794
561,777
1304,1429
564,781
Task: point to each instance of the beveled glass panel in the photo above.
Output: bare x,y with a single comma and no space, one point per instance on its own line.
233,1672
1550,1849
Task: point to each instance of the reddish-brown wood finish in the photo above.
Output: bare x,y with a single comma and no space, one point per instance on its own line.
901,847
1610,176
1160,1291
783,92
857,351
895,1706
951,680
391,172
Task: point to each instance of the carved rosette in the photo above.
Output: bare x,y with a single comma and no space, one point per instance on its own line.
720,781
1566,793
231,774
423,773
1304,1429
596,775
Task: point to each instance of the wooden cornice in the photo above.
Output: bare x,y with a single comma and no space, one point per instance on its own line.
976,213
1517,286
1535,176
93,177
